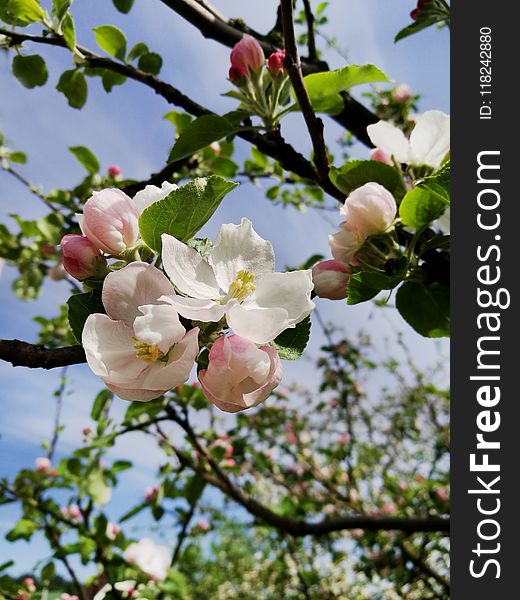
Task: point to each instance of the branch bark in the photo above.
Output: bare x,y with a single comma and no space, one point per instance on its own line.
23,354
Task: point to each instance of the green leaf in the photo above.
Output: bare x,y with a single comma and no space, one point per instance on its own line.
291,343
121,465
438,184
17,157
97,488
23,530
358,291
86,158
109,79
425,308
150,63
184,211
356,173
415,27
68,30
80,307
179,120
21,12
112,40
74,86
323,88
133,511
138,50
201,133
100,403
193,489
60,8
225,167
420,207
123,6
47,572
31,71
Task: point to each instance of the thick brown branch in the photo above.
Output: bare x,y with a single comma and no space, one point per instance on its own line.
355,117
271,144
292,64
22,354
295,527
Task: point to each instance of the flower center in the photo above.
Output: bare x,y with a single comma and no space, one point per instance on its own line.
149,353
242,286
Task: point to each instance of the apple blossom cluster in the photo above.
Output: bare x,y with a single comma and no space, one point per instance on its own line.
229,303
371,210
263,85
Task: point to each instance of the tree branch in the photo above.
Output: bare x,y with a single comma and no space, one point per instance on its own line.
295,527
311,39
271,144
355,117
23,354
292,64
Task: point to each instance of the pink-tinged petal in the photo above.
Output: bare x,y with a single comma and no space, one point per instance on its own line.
81,258
369,209
152,194
159,326
390,139
207,311
247,54
134,395
258,324
330,279
110,221
109,348
135,285
430,139
188,270
239,374
240,248
177,370
345,243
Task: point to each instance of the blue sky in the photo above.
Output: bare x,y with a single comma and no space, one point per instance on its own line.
126,128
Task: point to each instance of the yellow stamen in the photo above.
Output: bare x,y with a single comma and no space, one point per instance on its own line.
242,286
148,353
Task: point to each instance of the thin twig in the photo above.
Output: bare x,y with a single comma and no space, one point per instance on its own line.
57,415
32,188
292,64
311,39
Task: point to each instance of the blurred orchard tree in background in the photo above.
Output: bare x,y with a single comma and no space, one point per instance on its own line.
333,487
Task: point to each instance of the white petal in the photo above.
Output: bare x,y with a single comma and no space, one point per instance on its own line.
109,348
444,221
239,247
187,269
390,139
159,325
135,285
260,325
79,219
291,291
207,311
152,194
176,371
430,139
134,394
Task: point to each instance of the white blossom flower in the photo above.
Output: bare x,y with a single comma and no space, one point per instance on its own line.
152,194
148,557
428,144
237,281
139,348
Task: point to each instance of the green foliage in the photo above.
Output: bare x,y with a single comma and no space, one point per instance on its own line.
73,86
21,12
356,173
201,133
150,62
86,157
427,201
112,40
80,307
433,12
68,30
324,88
292,342
184,211
30,70
123,6
426,308
97,488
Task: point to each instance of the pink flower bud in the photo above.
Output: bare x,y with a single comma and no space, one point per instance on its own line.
215,146
345,243
240,374
402,93
43,464
344,439
29,584
53,473
203,524
48,248
330,279
369,210
275,62
114,170
230,462
237,75
389,507
442,495
228,451
247,54
380,156
110,221
151,494
291,438
112,531
74,512
81,258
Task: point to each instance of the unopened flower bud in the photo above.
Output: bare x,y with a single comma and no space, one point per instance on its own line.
275,62
402,93
370,209
43,464
151,494
247,55
238,76
380,156
114,170
330,279
81,258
